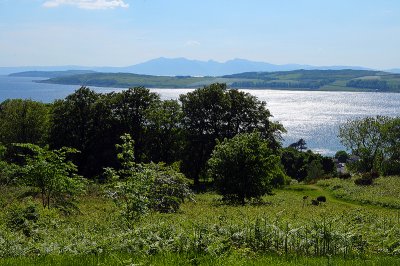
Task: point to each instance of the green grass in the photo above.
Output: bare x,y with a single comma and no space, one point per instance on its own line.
384,192
236,258
283,230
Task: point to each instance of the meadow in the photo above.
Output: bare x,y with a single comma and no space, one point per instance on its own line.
283,229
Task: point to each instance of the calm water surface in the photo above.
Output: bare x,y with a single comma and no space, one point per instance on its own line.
313,116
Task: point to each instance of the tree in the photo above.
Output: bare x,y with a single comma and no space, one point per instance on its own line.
314,170
23,121
213,113
243,167
301,165
8,171
165,133
391,132
52,175
365,138
129,108
72,126
299,145
342,156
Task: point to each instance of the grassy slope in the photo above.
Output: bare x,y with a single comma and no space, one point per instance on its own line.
98,230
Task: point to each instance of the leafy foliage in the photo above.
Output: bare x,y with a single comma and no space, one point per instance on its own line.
52,175
139,188
243,167
375,141
214,113
23,121
306,165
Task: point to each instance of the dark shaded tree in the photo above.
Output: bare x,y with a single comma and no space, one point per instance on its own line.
129,111
165,132
72,126
299,145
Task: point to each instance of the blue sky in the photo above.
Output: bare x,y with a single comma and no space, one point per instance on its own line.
125,32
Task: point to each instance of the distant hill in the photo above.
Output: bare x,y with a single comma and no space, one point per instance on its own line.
184,67
50,74
322,80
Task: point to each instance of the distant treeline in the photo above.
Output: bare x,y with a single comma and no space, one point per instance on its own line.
279,84
374,84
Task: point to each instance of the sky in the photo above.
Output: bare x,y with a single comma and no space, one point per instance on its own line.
126,32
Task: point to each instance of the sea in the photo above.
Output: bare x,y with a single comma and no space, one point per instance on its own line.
311,115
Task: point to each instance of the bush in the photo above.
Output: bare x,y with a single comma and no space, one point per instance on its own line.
20,217
168,189
365,180
321,198
344,176
139,188
244,167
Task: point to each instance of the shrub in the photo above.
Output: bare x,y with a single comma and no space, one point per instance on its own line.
20,217
168,188
365,180
314,202
344,176
321,198
139,188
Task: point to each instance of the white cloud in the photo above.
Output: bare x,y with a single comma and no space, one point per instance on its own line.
87,4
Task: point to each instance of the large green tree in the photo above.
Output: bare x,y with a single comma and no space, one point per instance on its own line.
244,167
375,141
366,140
215,112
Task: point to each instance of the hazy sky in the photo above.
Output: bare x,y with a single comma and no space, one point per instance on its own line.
126,32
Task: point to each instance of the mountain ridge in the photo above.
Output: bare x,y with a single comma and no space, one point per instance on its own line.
181,66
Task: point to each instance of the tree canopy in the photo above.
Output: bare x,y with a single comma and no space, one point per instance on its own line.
213,113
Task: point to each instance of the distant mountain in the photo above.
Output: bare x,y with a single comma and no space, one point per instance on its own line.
186,67
182,66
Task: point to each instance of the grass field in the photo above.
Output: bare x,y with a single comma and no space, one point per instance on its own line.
283,230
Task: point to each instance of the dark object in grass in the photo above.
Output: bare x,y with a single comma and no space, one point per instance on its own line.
315,202
364,180
321,198
374,174
345,176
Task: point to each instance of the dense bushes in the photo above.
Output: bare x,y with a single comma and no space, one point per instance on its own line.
306,166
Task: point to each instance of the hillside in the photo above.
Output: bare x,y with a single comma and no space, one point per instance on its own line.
325,80
321,80
337,232
127,80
